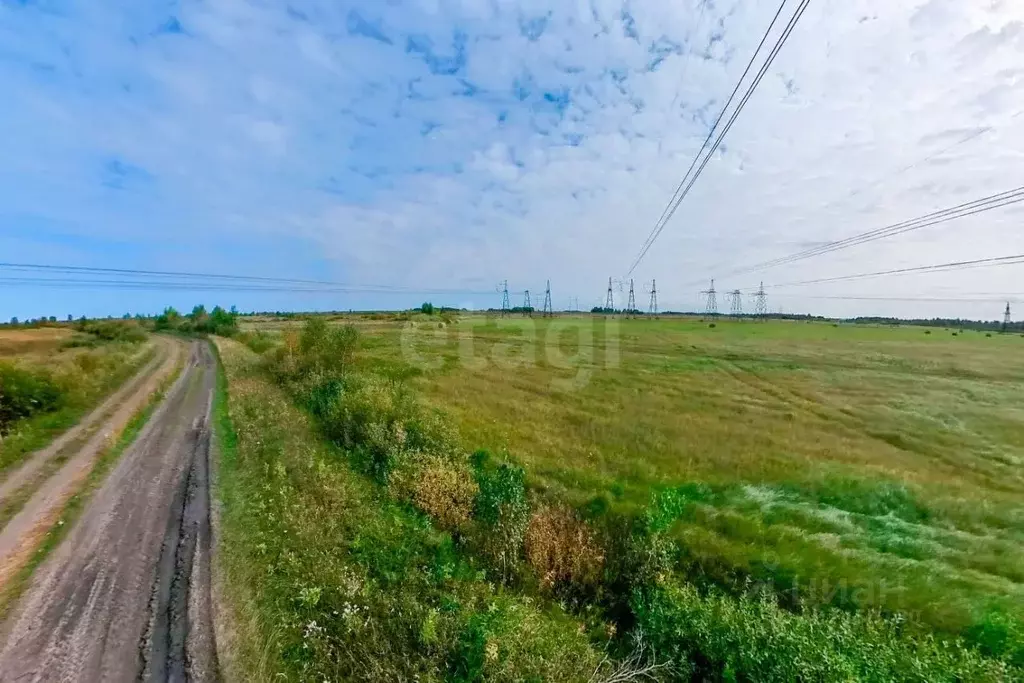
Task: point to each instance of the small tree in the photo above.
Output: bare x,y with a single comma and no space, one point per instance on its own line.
14,320
427,308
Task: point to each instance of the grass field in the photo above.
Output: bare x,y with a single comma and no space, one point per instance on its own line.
68,371
870,470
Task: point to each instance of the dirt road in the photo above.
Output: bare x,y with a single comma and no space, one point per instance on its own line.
126,596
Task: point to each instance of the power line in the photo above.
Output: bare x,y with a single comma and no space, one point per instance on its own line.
152,277
963,210
682,192
953,265
711,132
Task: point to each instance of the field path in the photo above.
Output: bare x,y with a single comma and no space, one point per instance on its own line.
22,474
126,596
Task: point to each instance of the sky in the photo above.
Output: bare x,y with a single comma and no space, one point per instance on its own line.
437,147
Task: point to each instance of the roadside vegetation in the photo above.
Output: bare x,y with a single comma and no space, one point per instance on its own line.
356,493
333,578
76,504
50,377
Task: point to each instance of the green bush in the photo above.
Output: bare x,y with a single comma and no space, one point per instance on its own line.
326,350
711,636
24,393
113,330
503,512
258,341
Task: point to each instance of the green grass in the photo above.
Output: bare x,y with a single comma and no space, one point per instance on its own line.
87,376
859,467
866,479
77,503
333,579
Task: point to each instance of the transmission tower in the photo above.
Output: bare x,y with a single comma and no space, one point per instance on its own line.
711,306
547,301
505,306
736,304
653,307
609,302
631,305
527,306
1006,318
760,302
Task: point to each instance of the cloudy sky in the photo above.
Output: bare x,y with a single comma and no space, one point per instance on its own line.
449,144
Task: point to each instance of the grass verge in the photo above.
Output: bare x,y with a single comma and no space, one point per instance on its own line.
333,579
74,506
93,375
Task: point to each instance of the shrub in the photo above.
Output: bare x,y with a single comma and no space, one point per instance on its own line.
260,342
502,510
113,330
446,492
24,393
509,643
326,350
711,636
378,422
563,550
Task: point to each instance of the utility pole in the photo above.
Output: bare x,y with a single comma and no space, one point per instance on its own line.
1006,318
527,306
609,302
711,306
505,306
760,302
547,301
653,307
631,305
736,304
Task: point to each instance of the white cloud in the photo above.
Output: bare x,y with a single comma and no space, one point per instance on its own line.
458,142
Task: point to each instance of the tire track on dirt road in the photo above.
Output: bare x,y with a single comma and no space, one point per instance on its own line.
126,596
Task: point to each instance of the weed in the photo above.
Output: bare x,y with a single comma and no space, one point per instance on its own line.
24,393
563,551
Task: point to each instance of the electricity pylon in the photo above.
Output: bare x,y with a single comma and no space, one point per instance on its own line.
711,302
1006,318
609,302
547,301
631,304
653,307
505,306
760,302
527,306
736,304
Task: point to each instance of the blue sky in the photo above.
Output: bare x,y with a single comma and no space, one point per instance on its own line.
450,144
